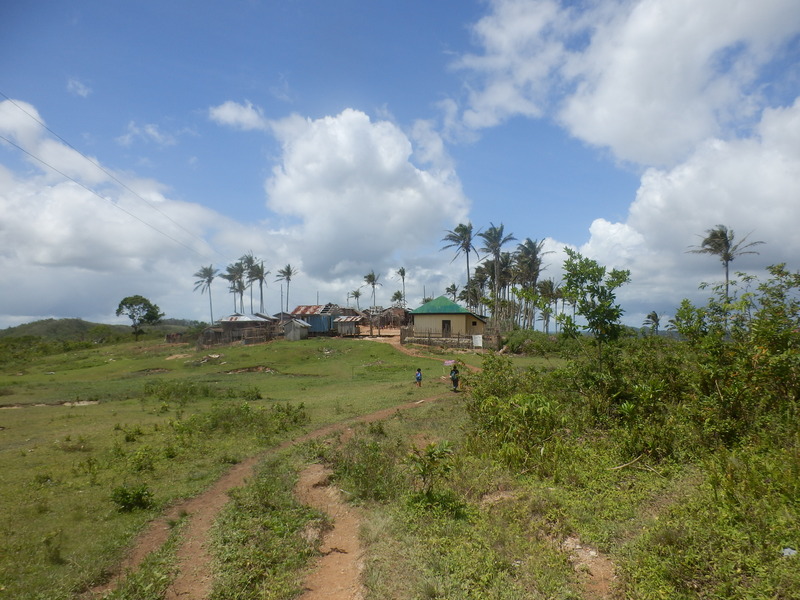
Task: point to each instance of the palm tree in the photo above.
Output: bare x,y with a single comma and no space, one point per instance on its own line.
719,242
452,290
494,238
397,298
371,279
461,238
257,273
234,274
286,274
653,321
204,278
402,273
356,294
249,262
528,266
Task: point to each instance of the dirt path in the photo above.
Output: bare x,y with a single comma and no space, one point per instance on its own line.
194,579
337,575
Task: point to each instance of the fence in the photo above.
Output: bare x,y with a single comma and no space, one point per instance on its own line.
431,337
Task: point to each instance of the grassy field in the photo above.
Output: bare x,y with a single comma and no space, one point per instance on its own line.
162,421
96,443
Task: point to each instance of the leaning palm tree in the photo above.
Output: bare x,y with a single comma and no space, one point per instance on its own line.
461,238
494,238
204,278
719,242
286,274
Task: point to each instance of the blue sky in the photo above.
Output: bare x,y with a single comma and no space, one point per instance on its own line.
343,137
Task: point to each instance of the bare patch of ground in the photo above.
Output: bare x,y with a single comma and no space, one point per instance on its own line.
595,570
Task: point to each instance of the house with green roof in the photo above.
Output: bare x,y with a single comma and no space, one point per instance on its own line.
443,317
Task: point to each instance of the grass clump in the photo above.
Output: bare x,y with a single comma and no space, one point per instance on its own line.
258,539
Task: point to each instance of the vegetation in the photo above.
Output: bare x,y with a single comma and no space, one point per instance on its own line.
140,311
676,459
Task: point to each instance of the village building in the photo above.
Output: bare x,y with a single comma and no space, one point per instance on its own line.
319,317
348,325
296,330
444,318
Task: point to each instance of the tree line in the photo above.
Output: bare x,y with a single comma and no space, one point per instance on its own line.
508,285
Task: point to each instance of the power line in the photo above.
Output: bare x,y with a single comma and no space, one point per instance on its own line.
110,175
91,191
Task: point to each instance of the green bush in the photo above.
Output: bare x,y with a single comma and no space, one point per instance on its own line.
132,497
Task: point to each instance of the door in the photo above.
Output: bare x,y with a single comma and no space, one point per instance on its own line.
446,328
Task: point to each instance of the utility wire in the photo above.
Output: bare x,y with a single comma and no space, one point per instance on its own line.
90,190
111,176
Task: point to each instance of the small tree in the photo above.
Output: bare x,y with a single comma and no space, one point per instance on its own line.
591,288
140,311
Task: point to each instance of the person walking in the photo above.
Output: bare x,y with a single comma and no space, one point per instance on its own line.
454,377
418,377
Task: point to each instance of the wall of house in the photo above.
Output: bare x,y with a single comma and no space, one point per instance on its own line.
460,324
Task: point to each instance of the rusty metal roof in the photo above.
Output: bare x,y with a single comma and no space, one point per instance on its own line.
347,319
315,309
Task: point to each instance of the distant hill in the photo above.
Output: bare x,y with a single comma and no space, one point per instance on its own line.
78,329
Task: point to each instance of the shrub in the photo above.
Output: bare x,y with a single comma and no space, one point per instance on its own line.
129,498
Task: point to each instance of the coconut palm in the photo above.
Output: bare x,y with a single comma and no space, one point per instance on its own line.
204,278
286,274
719,242
452,290
528,267
653,321
397,298
249,261
402,273
461,238
258,273
356,294
494,238
371,279
234,274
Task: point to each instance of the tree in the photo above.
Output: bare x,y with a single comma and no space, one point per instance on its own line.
356,294
452,289
234,274
286,274
494,238
371,279
591,287
402,273
248,263
204,278
258,273
653,321
528,268
461,238
140,311
397,298
719,242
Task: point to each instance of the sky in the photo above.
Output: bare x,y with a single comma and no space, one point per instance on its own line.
141,141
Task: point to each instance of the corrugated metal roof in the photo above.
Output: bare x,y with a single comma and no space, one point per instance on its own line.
316,309
347,319
443,306
237,318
